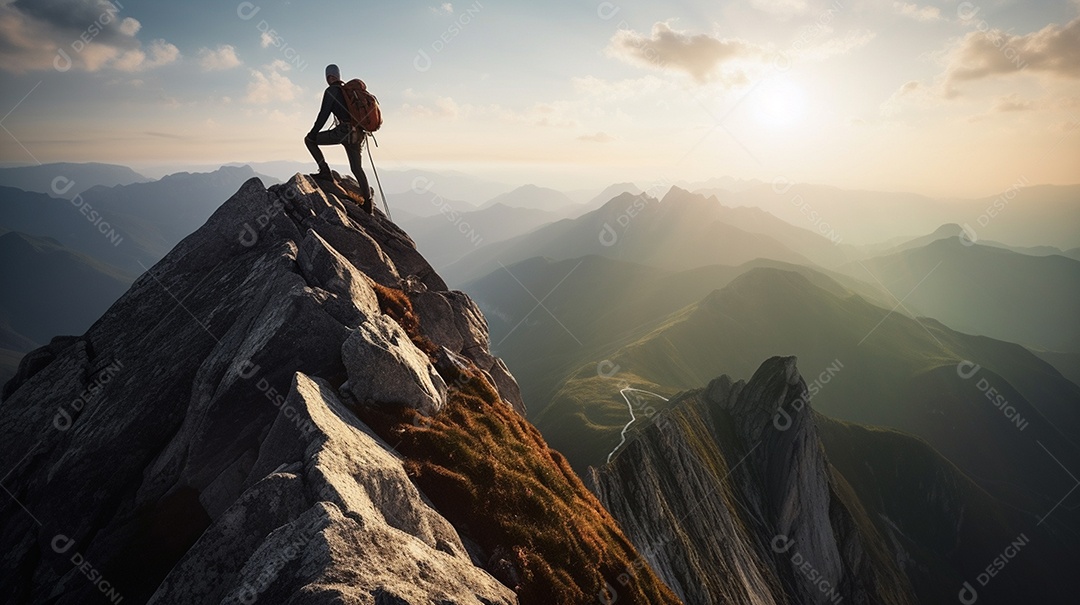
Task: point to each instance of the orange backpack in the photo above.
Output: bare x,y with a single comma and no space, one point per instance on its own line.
364,110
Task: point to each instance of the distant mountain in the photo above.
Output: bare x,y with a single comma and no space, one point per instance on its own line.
1029,216
682,231
1031,300
49,290
535,198
864,364
12,348
597,305
423,203
446,237
953,230
450,184
855,217
127,226
611,192
67,179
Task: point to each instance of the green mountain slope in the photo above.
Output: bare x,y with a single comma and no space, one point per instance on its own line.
985,290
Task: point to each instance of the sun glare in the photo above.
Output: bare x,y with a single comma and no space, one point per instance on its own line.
779,103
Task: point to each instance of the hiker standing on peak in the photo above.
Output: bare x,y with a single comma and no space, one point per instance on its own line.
342,133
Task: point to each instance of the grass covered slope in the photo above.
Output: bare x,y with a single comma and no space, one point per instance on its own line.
490,472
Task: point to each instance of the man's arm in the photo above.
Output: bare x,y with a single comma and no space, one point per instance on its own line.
324,113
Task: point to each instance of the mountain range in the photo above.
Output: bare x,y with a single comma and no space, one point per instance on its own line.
280,398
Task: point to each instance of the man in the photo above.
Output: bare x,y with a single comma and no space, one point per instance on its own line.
333,101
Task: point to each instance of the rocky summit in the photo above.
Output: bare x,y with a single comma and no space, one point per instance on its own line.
291,407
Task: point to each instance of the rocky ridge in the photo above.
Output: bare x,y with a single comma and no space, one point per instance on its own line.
201,442
731,499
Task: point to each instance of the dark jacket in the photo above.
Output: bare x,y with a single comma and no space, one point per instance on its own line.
333,101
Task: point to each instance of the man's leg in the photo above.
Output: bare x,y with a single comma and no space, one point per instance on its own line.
326,137
356,157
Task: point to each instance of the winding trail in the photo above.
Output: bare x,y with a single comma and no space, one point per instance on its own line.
630,407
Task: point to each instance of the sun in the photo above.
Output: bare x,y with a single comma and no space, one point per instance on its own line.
779,103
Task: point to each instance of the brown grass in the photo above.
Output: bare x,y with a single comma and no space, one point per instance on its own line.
396,304
489,471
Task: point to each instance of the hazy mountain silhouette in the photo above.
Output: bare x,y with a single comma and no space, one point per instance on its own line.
446,237
871,366
49,290
68,177
610,192
682,231
597,304
128,226
536,198
979,289
1029,216
953,230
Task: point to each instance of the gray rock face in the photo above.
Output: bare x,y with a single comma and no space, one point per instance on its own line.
193,445
385,367
731,499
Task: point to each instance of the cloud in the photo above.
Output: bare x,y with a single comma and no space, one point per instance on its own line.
271,85
992,54
919,13
782,8
445,9
216,60
265,40
835,46
158,53
1053,50
443,107
700,56
89,35
599,137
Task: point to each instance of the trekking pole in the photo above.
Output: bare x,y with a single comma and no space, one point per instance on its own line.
377,181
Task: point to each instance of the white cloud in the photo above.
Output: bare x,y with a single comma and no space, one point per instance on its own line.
130,26
37,35
1053,50
222,58
919,13
158,53
271,85
265,40
701,56
444,8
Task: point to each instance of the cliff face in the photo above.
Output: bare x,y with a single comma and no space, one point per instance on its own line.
730,498
203,441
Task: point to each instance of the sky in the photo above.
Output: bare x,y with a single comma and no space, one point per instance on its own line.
944,98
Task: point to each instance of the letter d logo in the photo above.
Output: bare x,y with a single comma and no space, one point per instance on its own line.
968,595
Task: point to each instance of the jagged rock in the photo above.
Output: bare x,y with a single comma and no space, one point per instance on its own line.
452,320
338,518
385,367
730,497
179,447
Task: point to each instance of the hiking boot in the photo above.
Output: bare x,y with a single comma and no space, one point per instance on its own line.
323,173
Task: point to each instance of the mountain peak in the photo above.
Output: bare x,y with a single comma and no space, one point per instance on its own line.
293,388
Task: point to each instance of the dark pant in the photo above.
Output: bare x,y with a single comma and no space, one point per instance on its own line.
340,135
